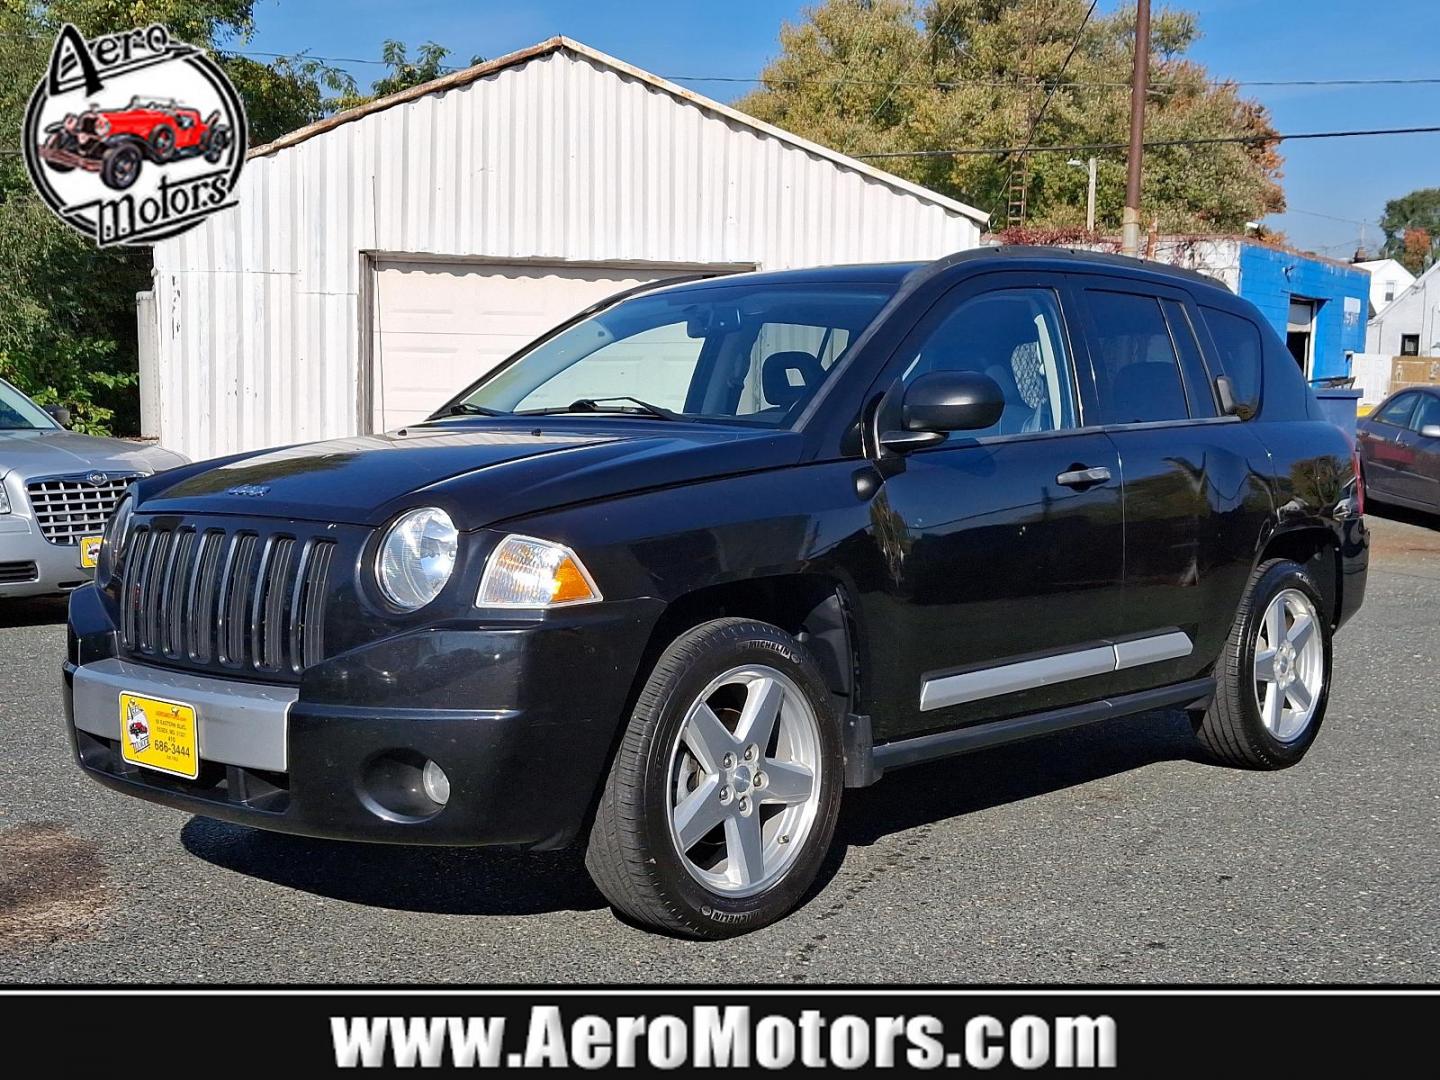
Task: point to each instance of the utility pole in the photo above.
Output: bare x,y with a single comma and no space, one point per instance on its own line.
1140,83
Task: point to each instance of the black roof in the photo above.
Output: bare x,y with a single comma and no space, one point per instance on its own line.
1005,256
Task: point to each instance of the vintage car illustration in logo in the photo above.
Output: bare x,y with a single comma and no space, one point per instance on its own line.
115,142
133,137
137,728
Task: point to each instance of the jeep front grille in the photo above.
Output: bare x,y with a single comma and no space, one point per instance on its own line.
238,600
69,507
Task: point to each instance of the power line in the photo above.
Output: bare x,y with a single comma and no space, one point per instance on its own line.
924,47
1071,148
1044,105
1426,80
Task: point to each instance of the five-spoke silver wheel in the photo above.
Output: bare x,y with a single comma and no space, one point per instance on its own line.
744,780
1289,665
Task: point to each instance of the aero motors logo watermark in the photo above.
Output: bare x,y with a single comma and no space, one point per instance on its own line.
133,137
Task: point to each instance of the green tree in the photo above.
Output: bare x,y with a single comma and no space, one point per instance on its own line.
876,76
427,66
1412,226
67,308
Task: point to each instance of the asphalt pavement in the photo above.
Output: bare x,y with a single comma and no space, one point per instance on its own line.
1111,853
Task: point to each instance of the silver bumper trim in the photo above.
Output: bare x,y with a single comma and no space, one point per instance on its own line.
240,723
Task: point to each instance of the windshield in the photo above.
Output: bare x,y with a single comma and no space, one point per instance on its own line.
748,353
19,413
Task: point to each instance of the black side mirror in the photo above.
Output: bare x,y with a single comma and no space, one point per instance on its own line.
943,401
60,414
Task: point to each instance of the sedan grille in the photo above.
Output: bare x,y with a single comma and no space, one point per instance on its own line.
233,599
69,507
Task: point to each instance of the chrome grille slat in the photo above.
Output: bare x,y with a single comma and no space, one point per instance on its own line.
204,596
70,507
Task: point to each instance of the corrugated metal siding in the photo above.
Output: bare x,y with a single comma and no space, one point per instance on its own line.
561,158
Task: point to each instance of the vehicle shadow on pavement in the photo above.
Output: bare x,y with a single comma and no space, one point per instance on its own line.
493,881
952,787
39,611
1404,514
435,880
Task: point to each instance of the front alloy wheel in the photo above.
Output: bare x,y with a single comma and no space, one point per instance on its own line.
723,795
745,792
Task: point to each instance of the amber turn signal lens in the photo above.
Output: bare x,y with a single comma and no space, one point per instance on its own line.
523,572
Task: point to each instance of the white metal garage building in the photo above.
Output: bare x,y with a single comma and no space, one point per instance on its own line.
383,258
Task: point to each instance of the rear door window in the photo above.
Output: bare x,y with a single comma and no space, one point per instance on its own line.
1137,373
1199,389
1398,411
1239,349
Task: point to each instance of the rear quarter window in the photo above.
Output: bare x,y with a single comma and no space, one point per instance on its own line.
1240,351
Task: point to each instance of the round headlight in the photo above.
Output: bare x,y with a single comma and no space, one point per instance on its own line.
112,540
417,556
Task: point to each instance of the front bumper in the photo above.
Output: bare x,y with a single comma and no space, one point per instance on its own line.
38,567
70,159
522,717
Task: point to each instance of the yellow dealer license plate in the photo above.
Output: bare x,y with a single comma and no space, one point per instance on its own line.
89,551
159,734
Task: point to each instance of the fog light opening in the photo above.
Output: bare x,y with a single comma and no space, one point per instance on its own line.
437,784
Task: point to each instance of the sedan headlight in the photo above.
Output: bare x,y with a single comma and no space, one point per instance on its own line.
416,557
4,499
523,572
112,540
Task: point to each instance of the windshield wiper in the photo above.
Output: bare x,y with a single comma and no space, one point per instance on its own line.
465,408
593,405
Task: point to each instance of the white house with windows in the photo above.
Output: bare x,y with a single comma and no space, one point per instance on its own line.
1388,279
1410,324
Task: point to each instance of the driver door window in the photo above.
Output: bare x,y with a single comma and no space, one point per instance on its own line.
1017,338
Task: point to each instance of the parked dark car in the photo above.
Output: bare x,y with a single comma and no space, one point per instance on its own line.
674,576
1400,449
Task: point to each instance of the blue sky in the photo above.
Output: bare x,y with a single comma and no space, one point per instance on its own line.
1347,179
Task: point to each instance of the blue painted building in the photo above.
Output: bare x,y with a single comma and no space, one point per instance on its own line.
1317,305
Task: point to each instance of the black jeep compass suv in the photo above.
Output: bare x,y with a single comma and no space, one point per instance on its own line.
674,576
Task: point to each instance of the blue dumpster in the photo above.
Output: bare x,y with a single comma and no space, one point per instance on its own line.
1339,405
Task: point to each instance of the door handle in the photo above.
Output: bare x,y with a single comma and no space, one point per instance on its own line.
1079,478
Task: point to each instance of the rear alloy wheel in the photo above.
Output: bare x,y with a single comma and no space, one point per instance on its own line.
722,798
1273,680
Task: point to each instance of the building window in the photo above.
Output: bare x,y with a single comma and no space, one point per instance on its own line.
1389,291
1409,344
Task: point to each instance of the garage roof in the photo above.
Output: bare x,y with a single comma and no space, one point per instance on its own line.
564,44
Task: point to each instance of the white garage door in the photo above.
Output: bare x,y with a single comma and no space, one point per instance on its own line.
438,326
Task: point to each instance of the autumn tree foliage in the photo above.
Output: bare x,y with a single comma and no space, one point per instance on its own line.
877,76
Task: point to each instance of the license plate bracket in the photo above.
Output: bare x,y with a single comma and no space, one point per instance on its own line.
159,734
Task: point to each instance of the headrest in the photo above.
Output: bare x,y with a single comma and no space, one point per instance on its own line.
783,388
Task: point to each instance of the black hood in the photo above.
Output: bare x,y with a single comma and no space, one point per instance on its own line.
480,472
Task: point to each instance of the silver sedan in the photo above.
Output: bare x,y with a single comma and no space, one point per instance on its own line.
57,489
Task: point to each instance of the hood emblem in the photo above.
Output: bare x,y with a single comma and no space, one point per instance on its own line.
254,491
97,478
